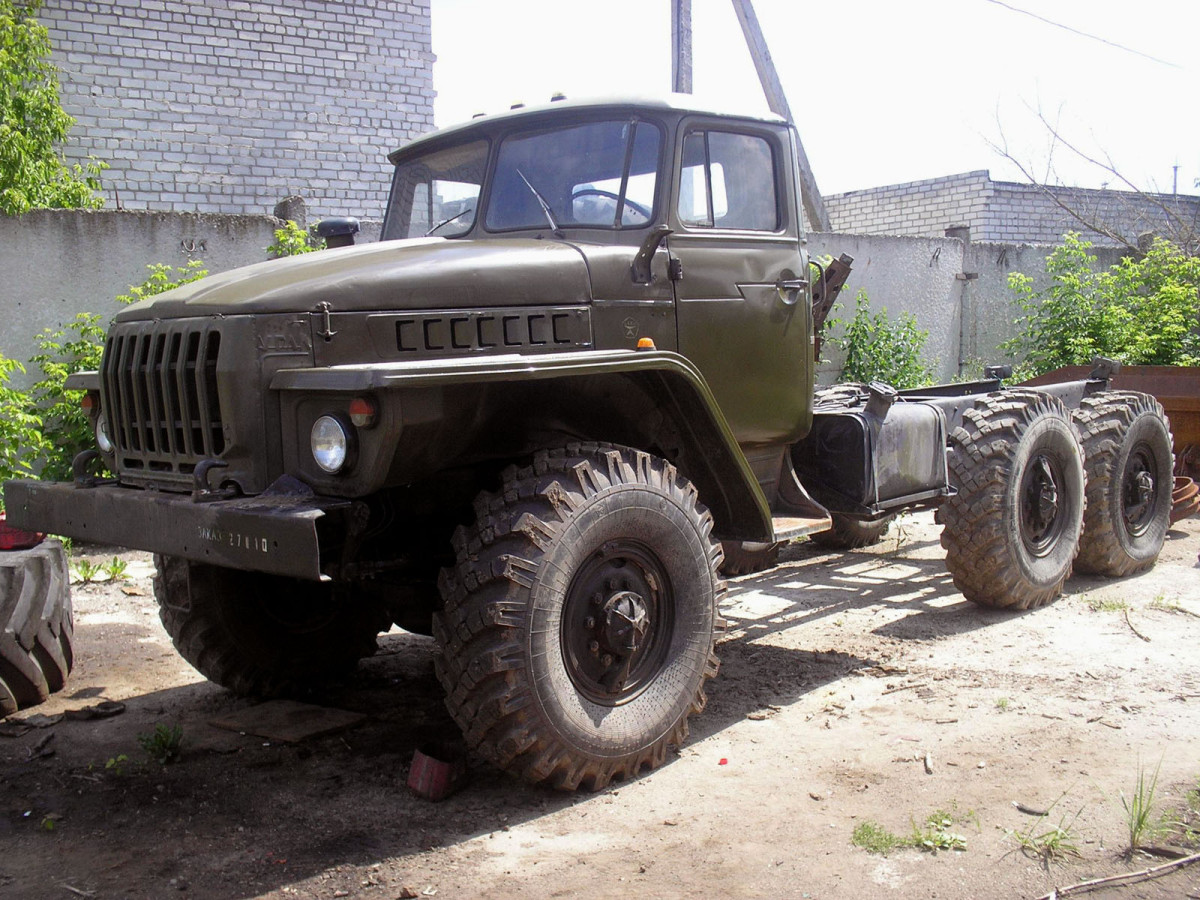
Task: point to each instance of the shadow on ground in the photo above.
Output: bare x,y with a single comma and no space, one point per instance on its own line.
238,816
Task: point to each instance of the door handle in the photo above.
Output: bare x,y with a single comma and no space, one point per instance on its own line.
789,290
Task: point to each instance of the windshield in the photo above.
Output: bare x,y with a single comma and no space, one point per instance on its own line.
436,193
594,175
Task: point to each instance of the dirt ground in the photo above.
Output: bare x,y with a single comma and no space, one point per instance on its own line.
842,676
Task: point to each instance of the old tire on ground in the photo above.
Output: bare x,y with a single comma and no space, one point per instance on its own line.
580,616
36,628
1127,453
746,557
263,635
849,534
1012,531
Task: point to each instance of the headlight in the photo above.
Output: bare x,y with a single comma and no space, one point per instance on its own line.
330,444
103,441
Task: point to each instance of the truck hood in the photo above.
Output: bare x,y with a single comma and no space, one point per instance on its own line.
423,273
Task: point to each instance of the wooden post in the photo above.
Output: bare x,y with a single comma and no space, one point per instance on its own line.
681,46
814,206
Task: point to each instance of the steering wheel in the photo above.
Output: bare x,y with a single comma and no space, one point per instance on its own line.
609,195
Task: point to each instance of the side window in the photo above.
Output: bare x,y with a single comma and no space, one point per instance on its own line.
728,181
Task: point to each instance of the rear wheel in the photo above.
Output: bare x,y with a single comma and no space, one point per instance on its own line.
580,618
746,557
849,534
36,627
259,634
1127,452
1012,530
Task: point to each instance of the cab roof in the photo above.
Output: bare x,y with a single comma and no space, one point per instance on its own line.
665,103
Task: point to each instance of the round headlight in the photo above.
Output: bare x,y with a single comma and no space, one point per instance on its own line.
103,441
330,444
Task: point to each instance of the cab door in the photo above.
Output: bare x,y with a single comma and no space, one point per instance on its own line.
742,299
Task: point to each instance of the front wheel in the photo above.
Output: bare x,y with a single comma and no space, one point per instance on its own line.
1011,531
580,617
259,634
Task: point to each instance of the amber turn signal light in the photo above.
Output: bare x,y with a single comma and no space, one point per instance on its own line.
363,412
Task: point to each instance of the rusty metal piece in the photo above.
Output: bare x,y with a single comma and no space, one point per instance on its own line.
1177,388
1185,499
1187,461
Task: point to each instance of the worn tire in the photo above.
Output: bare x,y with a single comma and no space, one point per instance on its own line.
747,557
541,574
1127,454
36,628
1012,530
263,635
850,534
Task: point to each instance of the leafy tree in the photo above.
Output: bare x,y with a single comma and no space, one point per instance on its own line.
878,349
1142,311
33,173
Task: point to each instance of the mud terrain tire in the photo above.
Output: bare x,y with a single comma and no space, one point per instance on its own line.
580,617
1012,531
746,557
36,628
1127,454
263,635
850,534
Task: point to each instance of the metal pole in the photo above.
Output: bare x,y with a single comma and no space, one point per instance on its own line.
681,46
814,206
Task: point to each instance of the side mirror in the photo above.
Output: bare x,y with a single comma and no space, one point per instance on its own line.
338,231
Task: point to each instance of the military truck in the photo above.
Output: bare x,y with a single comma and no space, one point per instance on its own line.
572,382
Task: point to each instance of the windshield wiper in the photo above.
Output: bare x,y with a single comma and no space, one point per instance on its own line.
449,220
543,204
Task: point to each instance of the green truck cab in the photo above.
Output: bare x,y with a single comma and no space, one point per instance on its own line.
576,368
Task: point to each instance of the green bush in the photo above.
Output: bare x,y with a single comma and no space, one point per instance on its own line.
292,240
21,439
77,347
878,349
1141,311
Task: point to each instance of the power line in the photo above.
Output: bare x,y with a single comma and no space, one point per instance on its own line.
1085,34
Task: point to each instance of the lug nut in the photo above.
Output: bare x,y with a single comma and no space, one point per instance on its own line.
606,660
589,623
594,646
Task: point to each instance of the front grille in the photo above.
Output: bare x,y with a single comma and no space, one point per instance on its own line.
160,394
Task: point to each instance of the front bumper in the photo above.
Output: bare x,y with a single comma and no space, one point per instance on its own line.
282,532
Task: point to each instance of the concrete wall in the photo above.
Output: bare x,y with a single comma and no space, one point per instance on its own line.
58,262
229,106
958,292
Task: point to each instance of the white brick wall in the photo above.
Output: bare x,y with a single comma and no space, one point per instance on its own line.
229,106
1000,211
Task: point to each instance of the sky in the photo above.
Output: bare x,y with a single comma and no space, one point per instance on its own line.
883,91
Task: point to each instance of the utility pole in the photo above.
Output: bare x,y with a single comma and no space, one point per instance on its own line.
814,206
681,46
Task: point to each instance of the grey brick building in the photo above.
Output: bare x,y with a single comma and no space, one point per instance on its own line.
228,106
1002,211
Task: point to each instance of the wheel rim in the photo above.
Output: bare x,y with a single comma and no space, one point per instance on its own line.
617,620
1138,490
1040,521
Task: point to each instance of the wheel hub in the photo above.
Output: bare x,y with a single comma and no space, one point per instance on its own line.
1039,506
1137,492
616,622
626,622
